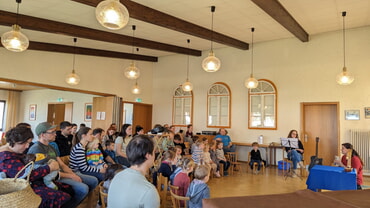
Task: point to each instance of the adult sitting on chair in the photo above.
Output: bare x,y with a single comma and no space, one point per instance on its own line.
295,154
225,139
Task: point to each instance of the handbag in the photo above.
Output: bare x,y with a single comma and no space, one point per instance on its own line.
17,193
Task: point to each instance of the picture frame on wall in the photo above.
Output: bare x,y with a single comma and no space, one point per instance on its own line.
367,112
32,112
352,115
88,111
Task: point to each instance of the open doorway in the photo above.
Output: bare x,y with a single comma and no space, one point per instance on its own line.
138,114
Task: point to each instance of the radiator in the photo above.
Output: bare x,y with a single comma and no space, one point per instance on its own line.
360,139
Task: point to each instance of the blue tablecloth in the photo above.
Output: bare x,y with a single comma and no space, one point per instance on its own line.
331,178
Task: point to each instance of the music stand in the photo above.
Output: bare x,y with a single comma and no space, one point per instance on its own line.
289,143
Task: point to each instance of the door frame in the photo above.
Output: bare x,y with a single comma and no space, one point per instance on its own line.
337,104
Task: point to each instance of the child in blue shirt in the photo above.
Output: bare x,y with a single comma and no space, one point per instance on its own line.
198,189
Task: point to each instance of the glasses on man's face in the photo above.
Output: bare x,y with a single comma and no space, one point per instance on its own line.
50,132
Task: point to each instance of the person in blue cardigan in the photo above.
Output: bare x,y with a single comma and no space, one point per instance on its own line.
225,139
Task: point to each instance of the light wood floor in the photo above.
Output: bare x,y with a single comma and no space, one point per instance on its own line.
247,184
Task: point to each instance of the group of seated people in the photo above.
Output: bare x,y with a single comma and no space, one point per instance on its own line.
96,157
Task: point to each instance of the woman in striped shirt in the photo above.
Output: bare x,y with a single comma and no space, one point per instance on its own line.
77,161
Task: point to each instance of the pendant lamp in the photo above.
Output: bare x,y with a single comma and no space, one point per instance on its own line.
344,78
15,40
251,82
132,72
135,89
187,86
211,63
73,78
112,14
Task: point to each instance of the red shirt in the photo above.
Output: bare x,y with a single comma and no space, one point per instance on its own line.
182,180
356,163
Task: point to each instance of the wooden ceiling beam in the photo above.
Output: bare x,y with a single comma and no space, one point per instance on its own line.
49,26
282,16
152,16
87,51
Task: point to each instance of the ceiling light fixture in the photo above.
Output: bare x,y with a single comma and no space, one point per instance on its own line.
136,89
112,14
251,82
344,78
211,63
14,40
132,72
73,78
187,86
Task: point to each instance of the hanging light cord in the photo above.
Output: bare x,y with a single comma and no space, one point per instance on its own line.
344,40
133,38
252,29
74,54
187,71
18,2
213,8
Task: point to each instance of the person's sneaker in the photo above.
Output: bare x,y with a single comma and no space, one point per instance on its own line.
217,174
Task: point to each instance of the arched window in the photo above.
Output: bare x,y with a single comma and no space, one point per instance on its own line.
219,106
263,106
182,113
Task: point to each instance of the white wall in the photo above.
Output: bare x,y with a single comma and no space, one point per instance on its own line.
42,97
97,73
302,72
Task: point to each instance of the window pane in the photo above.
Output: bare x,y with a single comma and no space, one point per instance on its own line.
182,107
262,105
218,105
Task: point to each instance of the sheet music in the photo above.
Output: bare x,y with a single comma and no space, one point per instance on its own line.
289,142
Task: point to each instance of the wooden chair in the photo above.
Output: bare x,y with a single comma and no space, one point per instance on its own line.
234,164
103,195
162,188
176,199
286,170
255,165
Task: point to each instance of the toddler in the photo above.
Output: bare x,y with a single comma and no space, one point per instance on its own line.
198,189
178,152
42,160
111,171
221,157
94,156
208,161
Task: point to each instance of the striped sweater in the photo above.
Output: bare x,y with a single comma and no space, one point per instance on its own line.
77,160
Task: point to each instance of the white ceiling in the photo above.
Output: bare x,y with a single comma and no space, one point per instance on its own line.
232,17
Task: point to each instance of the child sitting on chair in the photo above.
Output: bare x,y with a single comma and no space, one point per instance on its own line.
182,179
256,157
94,156
208,161
197,152
178,152
109,144
198,189
221,157
167,166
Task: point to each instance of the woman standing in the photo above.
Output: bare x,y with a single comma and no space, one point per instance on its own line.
121,143
11,162
356,162
295,154
77,161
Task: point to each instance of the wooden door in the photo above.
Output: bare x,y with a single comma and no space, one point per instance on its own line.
320,120
142,116
58,112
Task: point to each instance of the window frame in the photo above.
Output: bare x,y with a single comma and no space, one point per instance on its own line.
229,105
174,107
275,93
